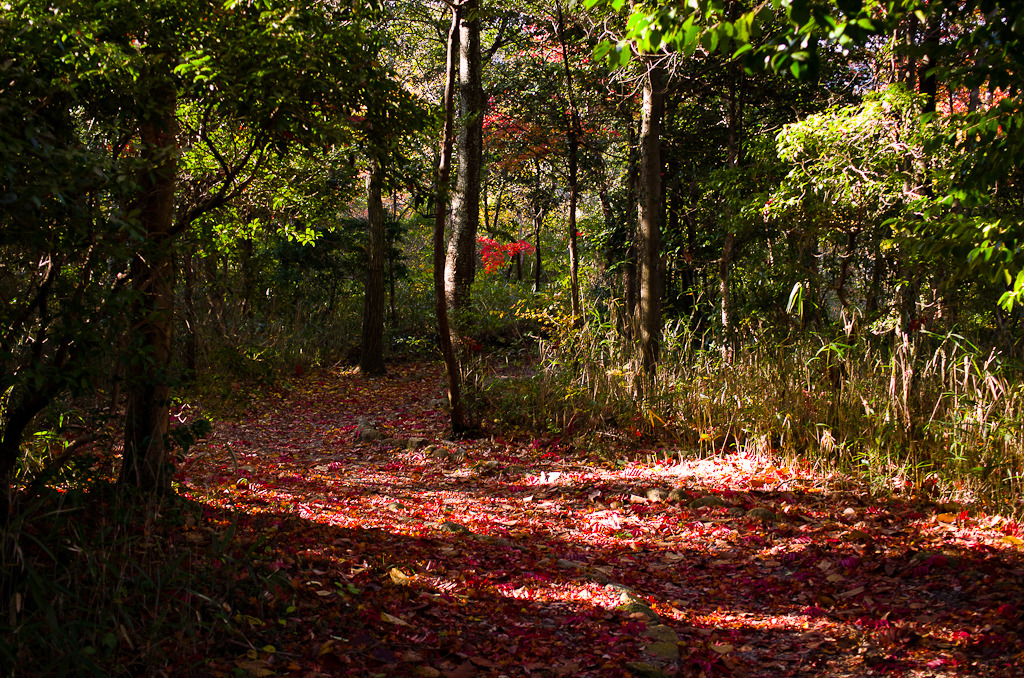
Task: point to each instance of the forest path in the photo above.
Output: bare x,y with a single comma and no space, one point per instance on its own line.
526,557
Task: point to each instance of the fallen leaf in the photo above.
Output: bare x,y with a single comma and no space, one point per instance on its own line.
464,670
851,592
384,616
399,577
258,668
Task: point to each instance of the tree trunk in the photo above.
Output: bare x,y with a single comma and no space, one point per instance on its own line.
573,128
629,270
458,414
460,267
874,292
191,318
724,290
538,222
371,358
649,213
725,262
16,420
146,463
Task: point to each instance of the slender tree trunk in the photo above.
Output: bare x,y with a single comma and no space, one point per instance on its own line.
649,213
573,129
146,462
871,304
460,267
459,421
728,244
629,272
724,289
927,81
538,222
191,317
371,358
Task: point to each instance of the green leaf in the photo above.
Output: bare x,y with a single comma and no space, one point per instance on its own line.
744,48
621,56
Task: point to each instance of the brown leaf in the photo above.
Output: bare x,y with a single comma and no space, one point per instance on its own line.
384,616
324,648
464,670
257,668
857,535
851,592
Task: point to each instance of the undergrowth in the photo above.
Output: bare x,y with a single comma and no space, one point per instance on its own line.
929,413
95,585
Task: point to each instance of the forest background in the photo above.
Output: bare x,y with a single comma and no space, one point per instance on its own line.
792,228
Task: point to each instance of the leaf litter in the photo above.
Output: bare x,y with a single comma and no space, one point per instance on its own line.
405,554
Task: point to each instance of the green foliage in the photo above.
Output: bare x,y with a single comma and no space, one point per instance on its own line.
783,35
863,162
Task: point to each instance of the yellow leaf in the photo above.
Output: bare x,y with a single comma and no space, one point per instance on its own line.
722,649
399,577
946,517
1010,539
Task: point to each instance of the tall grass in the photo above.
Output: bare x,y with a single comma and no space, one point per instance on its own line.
926,413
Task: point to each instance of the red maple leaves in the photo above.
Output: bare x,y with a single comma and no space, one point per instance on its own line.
495,255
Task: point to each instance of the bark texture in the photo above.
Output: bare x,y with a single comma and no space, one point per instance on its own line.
458,419
460,265
146,462
371,356
649,213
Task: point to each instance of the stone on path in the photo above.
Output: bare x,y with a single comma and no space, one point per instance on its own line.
711,500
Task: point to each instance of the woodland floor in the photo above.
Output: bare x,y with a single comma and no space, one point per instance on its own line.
549,561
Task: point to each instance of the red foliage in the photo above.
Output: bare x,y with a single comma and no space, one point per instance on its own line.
495,255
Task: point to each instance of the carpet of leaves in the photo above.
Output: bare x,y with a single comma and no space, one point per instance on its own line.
523,556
